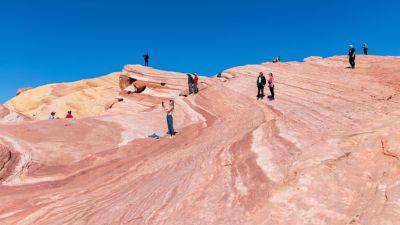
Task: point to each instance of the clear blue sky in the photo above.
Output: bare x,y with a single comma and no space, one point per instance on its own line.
54,41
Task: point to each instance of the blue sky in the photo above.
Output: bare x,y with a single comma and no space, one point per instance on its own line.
55,41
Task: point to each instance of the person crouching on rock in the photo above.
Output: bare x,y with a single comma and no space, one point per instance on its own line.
190,83
170,120
271,85
69,115
53,116
260,85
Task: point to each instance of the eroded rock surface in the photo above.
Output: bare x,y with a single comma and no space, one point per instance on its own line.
7,115
325,151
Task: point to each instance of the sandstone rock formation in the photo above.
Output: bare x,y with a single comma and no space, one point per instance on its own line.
7,115
21,90
326,151
84,98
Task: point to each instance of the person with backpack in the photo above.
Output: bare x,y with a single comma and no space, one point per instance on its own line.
271,85
260,85
352,56
365,48
190,83
170,120
195,83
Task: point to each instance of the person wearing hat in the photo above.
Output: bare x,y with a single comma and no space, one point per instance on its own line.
195,83
352,56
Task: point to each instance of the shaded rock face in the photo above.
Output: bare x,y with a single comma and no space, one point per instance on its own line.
5,157
4,111
125,81
7,162
131,85
325,151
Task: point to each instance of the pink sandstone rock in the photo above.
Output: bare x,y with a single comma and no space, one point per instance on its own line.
7,115
325,151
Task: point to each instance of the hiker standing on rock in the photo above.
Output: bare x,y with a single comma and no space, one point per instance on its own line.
195,83
170,120
352,56
365,48
190,83
260,85
271,85
146,58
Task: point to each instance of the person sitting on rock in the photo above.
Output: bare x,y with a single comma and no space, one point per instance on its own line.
69,115
260,85
170,120
190,83
271,85
195,83
53,116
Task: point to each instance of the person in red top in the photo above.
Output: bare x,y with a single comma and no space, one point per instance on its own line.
271,85
69,115
195,83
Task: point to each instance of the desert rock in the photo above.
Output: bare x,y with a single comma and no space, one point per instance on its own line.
325,151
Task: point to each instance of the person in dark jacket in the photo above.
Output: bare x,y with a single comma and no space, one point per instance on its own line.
261,81
352,56
146,58
190,83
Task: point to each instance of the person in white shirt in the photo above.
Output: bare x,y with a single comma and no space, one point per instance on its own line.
53,116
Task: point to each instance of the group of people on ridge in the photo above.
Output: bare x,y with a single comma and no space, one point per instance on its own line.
54,117
193,80
193,83
261,82
352,54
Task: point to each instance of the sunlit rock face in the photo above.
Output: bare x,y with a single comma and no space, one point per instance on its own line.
325,151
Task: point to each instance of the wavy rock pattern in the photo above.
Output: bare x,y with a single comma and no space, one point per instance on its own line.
326,151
